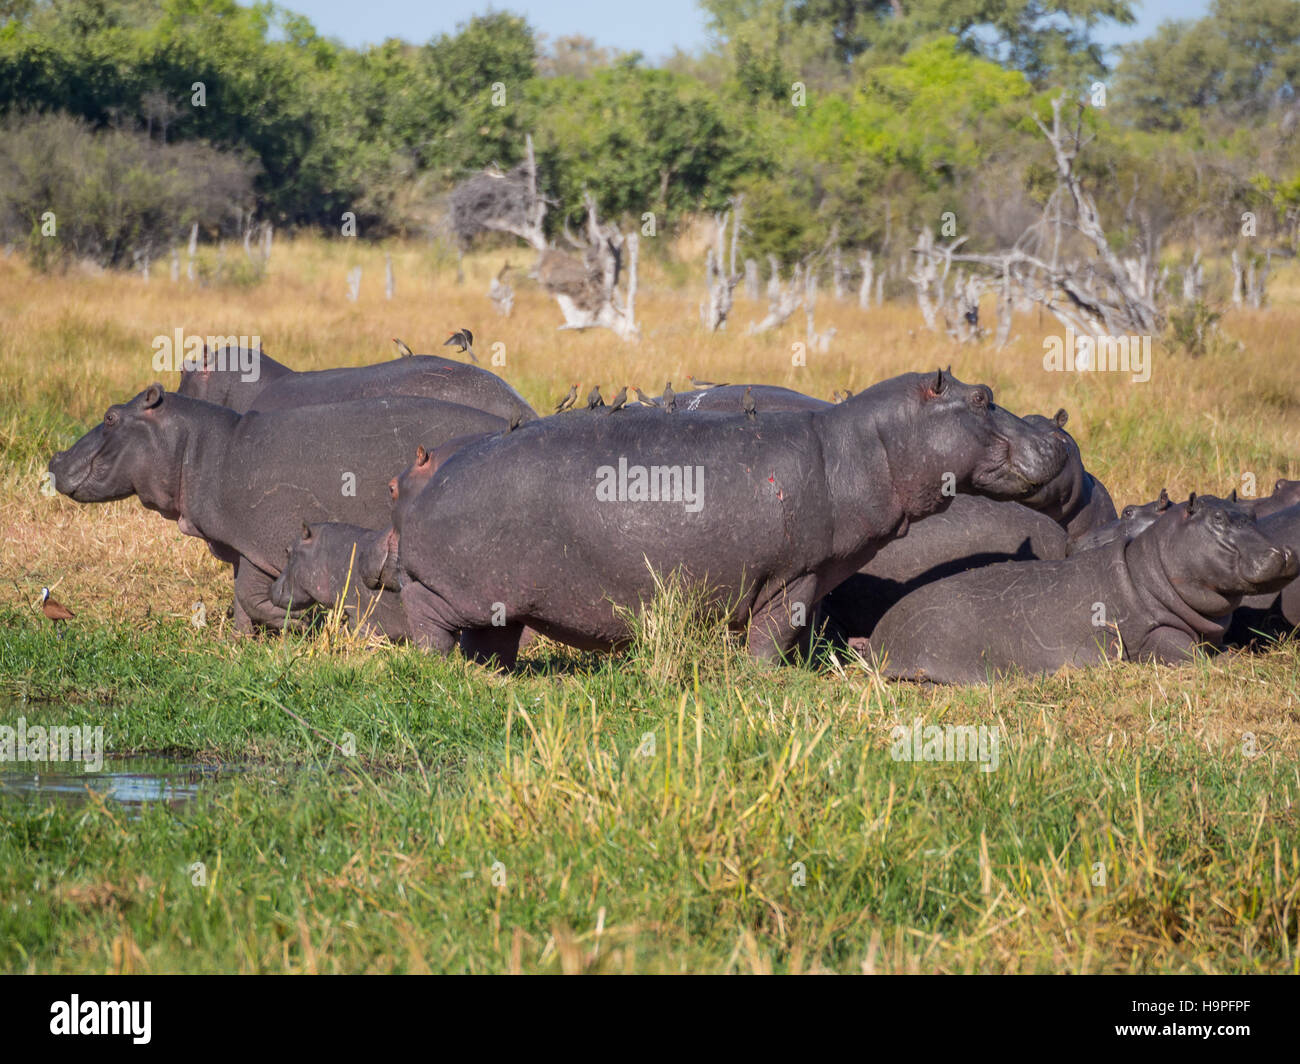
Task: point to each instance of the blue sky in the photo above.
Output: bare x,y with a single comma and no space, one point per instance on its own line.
653,27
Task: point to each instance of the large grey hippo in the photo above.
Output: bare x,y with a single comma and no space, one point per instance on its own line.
766,514
1277,613
245,484
1156,597
279,388
972,532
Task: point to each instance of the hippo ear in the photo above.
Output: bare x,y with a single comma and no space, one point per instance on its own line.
1232,496
1163,501
1061,418
937,387
422,457
1191,504
153,395
306,532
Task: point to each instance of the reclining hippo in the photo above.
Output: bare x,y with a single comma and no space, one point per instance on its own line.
766,514
327,562
1132,520
973,532
279,388
246,484
1076,500
1275,614
1155,598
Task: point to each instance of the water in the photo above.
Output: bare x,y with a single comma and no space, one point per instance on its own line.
130,782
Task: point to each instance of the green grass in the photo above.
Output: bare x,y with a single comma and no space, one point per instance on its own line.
619,852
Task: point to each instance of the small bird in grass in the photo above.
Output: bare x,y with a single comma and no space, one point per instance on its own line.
620,400
643,399
402,349
55,611
703,384
568,400
669,398
593,398
748,403
463,341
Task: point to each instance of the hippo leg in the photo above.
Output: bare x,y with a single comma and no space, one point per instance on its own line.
426,619
776,627
500,642
253,597
1167,645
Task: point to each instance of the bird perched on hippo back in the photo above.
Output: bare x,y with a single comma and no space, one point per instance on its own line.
1157,597
245,483
272,386
767,521
1075,499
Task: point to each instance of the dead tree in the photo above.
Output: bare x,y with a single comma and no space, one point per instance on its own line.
585,282
721,285
1089,289
751,280
868,264
783,300
501,293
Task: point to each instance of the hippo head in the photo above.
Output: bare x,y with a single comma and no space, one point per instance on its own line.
404,487
1056,496
953,436
305,578
135,450
330,557
1214,554
230,376
1132,521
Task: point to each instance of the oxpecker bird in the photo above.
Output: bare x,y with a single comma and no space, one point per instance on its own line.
593,399
748,403
568,400
463,341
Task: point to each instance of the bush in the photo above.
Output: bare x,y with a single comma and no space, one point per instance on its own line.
114,195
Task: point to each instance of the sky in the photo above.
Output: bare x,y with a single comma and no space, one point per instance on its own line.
653,27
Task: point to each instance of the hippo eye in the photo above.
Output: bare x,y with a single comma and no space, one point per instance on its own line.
979,400
111,418
1129,513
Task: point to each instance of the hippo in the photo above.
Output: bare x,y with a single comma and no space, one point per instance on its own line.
728,399
1133,519
763,515
1286,493
245,483
1271,615
324,566
430,376
972,532
1156,597
1076,499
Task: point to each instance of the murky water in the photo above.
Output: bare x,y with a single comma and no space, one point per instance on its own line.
132,782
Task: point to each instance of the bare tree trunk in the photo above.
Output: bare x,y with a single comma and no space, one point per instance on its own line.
1238,279
714,311
390,282
751,280
783,300
868,275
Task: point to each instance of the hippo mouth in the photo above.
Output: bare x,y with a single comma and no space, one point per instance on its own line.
1000,475
1271,573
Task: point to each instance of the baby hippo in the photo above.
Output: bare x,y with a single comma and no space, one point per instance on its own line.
328,561
1134,518
1155,598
